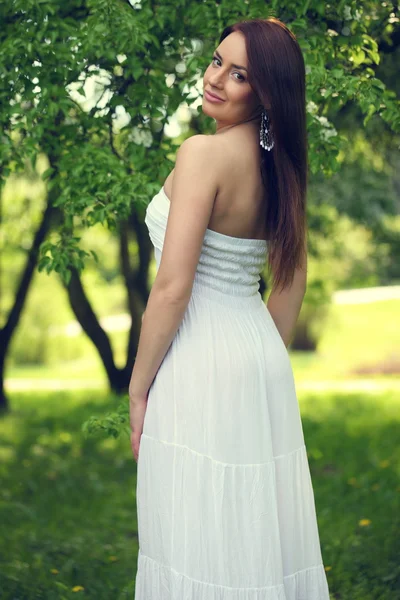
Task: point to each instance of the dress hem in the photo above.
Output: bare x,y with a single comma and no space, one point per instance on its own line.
294,586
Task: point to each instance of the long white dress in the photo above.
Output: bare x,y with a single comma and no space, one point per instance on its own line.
224,497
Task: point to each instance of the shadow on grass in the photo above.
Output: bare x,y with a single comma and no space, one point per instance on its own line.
68,503
68,512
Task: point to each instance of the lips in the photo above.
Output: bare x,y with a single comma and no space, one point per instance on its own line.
214,95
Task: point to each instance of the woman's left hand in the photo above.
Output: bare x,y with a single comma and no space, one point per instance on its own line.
137,411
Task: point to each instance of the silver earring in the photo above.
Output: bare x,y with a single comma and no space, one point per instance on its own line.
266,138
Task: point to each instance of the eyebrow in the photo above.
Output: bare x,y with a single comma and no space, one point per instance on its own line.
233,65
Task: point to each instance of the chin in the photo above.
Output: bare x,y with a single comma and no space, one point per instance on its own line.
208,110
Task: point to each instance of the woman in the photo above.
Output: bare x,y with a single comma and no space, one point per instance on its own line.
224,496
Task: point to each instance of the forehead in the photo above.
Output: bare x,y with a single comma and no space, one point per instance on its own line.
233,48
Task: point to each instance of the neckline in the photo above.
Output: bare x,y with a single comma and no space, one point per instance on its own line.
224,235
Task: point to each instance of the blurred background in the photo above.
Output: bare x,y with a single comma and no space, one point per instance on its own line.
96,96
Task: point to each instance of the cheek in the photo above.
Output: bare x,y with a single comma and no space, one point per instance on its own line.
241,93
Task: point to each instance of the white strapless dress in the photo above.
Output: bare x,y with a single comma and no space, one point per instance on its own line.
225,502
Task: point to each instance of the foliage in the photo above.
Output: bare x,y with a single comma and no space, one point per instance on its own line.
387,235
22,202
89,89
364,188
111,425
97,82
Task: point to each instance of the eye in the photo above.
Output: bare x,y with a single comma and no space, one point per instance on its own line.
236,73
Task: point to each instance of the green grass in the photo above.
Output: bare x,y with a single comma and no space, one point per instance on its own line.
79,370
354,457
68,503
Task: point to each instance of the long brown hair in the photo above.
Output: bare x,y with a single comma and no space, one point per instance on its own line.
277,75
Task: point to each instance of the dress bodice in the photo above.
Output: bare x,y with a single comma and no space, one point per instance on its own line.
231,265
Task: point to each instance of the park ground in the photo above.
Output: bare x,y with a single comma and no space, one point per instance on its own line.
67,501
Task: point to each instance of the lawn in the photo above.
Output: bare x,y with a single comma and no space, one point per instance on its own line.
67,502
68,512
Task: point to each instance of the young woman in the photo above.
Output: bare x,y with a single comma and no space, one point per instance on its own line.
224,496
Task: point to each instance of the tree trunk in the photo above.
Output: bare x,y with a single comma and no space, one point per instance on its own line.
137,295
4,405
8,330
118,378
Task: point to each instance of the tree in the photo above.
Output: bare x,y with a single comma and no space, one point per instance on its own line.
93,83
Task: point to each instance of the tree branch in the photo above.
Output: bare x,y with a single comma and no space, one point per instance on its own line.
26,278
90,324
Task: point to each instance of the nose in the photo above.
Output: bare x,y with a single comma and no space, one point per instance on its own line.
216,77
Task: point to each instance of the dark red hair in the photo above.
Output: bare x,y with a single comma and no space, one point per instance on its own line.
277,75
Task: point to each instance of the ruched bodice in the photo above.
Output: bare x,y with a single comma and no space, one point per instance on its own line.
231,265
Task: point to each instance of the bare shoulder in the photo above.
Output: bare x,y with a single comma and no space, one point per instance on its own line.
199,153
197,156
220,145
196,144
208,147
234,148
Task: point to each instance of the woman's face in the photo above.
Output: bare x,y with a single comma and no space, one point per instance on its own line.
229,82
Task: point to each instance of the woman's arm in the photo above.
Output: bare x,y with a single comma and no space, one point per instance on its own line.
189,214
160,322
284,306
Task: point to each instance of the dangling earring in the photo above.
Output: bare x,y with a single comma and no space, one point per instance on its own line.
266,138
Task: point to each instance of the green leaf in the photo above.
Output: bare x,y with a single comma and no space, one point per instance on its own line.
359,57
66,275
